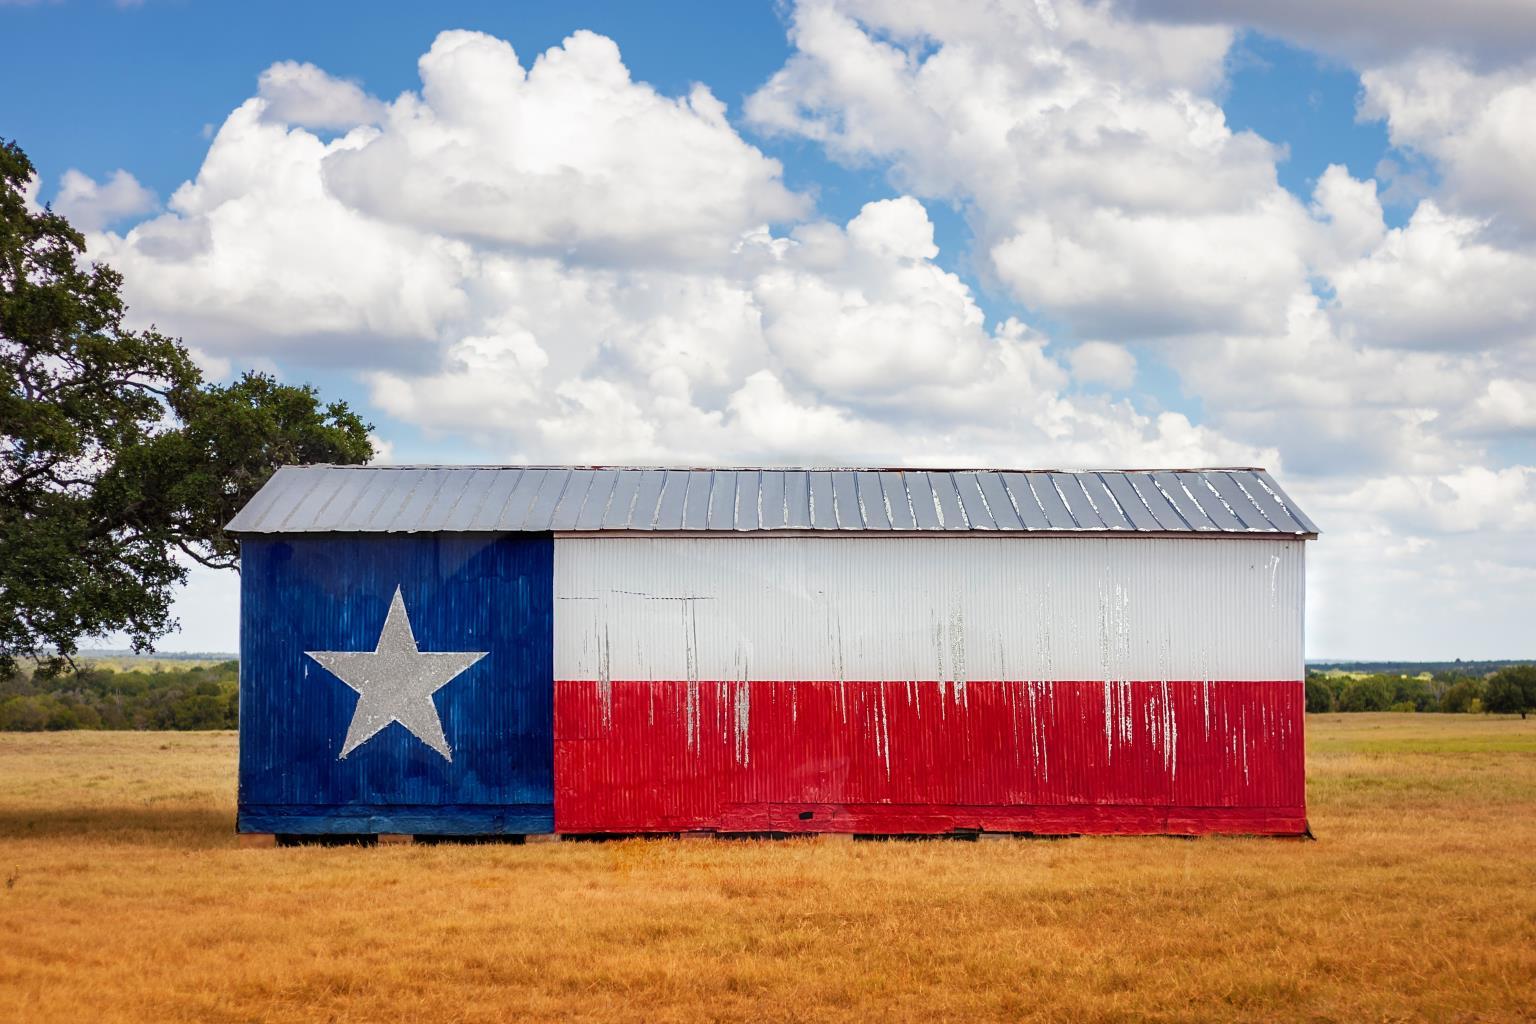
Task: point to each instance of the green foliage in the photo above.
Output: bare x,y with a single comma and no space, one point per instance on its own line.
1320,696
1463,696
1418,694
100,698
1373,693
1511,690
118,458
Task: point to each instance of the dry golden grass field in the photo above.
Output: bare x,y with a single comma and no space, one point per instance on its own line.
125,897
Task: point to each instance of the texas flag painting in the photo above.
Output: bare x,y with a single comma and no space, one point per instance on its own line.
397,685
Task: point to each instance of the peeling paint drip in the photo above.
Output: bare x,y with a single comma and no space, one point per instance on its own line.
691,704
938,659
604,678
743,721
957,649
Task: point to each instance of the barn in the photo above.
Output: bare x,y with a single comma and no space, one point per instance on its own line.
468,650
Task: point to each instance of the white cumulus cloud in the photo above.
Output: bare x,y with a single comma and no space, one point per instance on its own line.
91,205
305,96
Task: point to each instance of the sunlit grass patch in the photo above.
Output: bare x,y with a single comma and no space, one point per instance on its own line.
124,897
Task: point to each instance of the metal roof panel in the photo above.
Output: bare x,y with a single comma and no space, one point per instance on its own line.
1130,502
770,500
410,499
898,505
872,501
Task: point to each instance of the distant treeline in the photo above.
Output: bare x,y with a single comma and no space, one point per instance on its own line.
96,697
1511,689
1413,668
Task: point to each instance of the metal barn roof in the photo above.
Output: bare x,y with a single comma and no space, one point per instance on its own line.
495,499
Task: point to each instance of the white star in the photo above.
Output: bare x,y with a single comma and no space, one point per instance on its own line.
395,682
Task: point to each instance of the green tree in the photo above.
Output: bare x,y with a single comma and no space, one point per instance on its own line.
1319,696
1373,693
1461,695
1511,690
118,458
1418,693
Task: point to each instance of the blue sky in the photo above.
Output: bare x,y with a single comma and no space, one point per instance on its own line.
1315,327
139,87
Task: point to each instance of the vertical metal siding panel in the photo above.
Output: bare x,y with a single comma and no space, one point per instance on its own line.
462,593
567,507
771,501
887,757
871,607
823,514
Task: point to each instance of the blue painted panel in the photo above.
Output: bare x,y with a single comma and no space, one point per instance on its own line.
462,592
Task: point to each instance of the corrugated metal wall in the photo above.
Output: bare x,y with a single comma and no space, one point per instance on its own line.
463,592
948,609
926,684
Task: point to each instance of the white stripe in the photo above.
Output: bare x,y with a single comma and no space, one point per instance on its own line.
934,608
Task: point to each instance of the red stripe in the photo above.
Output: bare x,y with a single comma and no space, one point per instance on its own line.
1050,758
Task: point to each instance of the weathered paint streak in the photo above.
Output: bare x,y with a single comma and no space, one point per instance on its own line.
465,592
917,756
